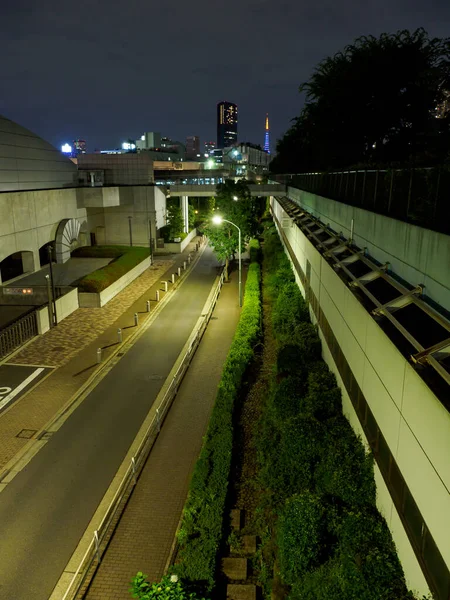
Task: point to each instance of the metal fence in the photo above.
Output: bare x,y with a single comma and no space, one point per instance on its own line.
18,333
418,196
93,555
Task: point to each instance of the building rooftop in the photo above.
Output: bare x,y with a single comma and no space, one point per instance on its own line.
27,162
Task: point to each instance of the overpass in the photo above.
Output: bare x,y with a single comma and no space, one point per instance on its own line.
379,292
257,189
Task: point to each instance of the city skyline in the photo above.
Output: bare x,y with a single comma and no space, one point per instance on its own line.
97,104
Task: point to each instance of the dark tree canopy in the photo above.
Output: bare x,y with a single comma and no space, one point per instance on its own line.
375,103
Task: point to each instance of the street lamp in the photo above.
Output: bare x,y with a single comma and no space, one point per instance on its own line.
217,220
235,198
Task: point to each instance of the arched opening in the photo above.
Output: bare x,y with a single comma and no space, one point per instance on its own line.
66,239
16,264
44,254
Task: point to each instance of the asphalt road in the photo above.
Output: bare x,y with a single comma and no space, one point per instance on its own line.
46,508
15,380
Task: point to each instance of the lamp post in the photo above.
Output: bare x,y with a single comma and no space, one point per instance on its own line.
130,230
217,220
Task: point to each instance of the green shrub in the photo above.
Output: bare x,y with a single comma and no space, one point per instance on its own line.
287,397
169,588
370,564
291,361
289,308
126,259
201,530
346,472
254,250
324,583
306,337
288,467
323,399
301,536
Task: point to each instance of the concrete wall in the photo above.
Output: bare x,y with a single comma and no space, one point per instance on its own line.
416,254
142,203
88,300
176,248
29,219
65,306
413,422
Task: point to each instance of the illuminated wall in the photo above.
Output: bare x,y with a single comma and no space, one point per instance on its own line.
391,408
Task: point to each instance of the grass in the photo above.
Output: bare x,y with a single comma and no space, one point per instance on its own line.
124,258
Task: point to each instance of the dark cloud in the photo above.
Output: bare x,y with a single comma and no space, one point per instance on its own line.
109,70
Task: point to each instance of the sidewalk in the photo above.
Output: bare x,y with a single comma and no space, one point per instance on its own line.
146,530
71,348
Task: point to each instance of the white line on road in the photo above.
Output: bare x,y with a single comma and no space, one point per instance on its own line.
20,387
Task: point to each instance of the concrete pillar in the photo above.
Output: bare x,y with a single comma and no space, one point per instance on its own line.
184,205
27,262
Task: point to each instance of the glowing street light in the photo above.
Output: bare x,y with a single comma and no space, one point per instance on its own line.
235,198
218,220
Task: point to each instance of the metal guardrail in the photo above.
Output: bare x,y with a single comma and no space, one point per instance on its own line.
418,196
93,555
17,333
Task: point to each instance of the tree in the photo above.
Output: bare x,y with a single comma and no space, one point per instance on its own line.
224,238
174,220
191,216
373,103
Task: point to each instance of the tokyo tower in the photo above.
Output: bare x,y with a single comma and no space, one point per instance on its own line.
267,136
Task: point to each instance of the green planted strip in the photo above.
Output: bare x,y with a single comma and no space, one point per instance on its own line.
202,525
125,259
318,483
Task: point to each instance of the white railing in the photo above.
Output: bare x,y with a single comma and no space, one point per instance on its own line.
97,547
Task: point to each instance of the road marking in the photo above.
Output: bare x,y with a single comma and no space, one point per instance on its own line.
20,387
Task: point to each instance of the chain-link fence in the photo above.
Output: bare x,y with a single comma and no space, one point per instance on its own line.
418,196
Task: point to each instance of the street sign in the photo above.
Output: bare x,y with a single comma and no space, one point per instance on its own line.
17,291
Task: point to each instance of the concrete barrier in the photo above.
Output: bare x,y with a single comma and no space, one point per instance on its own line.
97,300
176,247
65,306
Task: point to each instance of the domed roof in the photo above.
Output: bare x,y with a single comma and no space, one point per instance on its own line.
27,162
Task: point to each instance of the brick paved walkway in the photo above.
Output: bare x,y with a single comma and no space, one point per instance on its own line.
71,348
76,331
145,533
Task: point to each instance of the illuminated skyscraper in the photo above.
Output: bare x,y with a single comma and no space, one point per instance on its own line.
79,147
192,147
267,135
227,120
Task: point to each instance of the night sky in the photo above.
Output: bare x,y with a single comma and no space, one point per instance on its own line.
109,70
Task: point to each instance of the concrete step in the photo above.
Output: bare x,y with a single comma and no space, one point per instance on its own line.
235,568
249,544
236,519
241,592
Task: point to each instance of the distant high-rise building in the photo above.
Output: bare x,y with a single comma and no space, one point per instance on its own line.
79,147
267,135
227,122
192,146
209,147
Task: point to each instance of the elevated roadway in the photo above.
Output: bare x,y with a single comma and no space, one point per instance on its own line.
267,189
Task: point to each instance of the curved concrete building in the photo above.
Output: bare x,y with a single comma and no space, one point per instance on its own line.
27,162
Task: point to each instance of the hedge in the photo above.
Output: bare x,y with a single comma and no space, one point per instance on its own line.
125,259
201,529
332,542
